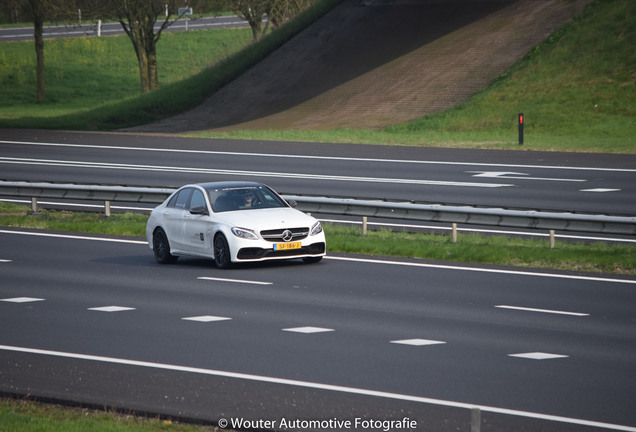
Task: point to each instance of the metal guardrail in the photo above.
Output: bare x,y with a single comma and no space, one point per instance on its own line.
471,215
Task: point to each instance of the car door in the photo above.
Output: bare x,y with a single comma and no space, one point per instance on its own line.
196,222
173,218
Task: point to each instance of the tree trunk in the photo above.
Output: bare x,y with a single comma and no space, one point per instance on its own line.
144,76
38,25
39,55
152,70
147,59
138,20
256,30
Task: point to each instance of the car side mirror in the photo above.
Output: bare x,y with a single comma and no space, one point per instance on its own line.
292,203
199,210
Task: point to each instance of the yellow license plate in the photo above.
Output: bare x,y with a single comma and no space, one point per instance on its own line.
286,246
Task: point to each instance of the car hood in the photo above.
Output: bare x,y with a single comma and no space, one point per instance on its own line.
263,219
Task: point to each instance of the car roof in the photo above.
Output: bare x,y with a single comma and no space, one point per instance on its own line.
228,185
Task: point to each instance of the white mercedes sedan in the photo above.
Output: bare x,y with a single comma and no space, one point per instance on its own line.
232,222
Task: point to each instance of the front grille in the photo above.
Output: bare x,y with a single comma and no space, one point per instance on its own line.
277,234
258,253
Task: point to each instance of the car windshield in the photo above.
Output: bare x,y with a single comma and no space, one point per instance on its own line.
243,198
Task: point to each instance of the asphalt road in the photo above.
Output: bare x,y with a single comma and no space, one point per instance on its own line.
343,339
427,342
114,28
537,180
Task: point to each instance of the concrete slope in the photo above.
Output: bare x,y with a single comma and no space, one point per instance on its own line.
380,62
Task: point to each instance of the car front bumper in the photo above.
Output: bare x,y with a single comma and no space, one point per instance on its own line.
257,253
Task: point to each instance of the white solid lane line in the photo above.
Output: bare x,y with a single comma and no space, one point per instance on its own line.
362,260
131,167
483,270
314,385
292,156
74,237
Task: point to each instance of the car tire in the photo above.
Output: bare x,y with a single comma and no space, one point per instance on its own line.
161,247
312,260
221,252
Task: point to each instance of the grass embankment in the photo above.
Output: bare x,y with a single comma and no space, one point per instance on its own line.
91,82
28,416
191,66
577,89
497,250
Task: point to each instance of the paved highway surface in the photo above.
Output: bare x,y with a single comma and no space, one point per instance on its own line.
537,180
96,320
114,28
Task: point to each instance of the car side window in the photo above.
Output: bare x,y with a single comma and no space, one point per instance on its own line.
182,199
198,200
172,201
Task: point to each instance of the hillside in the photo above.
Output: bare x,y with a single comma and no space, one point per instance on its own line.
374,63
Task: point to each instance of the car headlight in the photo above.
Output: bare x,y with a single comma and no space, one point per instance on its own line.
316,229
244,233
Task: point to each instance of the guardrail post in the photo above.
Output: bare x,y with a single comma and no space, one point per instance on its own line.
34,204
551,239
107,208
364,225
454,233
475,420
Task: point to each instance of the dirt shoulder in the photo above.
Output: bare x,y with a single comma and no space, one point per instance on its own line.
376,63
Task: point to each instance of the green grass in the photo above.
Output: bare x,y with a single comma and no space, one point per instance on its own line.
124,224
475,248
577,89
29,416
192,65
82,73
597,257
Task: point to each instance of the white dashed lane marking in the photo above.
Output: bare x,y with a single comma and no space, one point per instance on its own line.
234,280
206,318
111,309
22,299
600,190
549,311
312,329
418,342
538,356
308,329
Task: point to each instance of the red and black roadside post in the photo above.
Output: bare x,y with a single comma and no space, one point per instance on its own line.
520,128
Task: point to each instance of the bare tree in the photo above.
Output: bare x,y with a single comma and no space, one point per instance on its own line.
265,14
38,9
254,12
282,11
41,11
138,18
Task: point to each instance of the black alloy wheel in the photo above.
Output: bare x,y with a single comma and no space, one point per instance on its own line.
161,248
221,252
